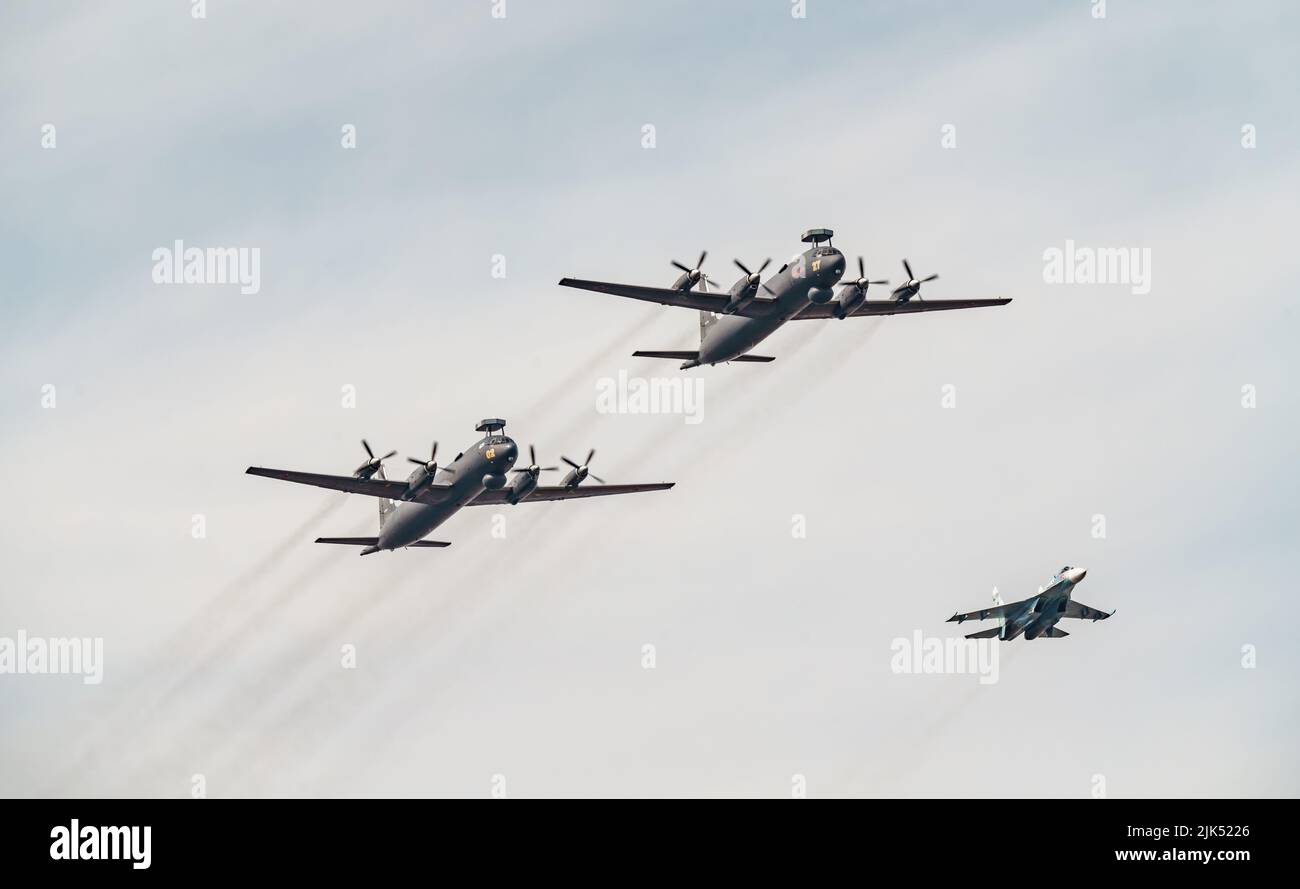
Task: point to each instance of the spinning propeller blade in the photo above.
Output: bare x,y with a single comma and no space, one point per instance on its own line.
694,275
371,466
430,465
861,282
582,470
532,468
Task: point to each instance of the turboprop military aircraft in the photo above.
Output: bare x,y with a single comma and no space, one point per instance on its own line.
734,321
1037,615
432,494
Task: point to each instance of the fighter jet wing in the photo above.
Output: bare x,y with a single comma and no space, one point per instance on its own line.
559,492
371,487
1084,612
689,299
891,307
986,613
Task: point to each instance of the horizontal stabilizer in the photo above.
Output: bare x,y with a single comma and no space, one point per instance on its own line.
990,633
688,356
755,358
374,541
1055,633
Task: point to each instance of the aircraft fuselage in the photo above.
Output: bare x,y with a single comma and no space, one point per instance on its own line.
483,467
1041,613
807,279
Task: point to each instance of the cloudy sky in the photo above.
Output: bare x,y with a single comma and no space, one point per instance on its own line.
970,138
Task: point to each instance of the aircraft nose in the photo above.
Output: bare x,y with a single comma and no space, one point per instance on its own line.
1079,574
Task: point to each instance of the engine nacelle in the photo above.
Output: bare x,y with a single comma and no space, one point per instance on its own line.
494,482
741,294
820,296
850,299
521,487
736,303
416,482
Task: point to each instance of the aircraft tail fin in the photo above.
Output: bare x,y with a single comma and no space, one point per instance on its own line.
997,600
707,320
386,506
990,633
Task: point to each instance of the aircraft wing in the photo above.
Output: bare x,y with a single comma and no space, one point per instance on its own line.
986,613
1084,612
371,487
892,307
688,299
559,492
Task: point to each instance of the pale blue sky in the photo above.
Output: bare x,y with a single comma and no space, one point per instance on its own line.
522,137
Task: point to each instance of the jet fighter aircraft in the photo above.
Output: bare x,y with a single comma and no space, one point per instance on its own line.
1037,615
432,494
735,321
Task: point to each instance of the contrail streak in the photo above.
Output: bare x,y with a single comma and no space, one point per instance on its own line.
197,629
455,592
919,741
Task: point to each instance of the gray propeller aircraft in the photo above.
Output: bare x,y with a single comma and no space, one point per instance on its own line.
432,494
734,321
1037,615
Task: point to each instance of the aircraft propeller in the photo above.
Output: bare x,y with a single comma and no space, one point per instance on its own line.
691,277
430,465
753,277
371,466
862,282
533,469
582,471
912,281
